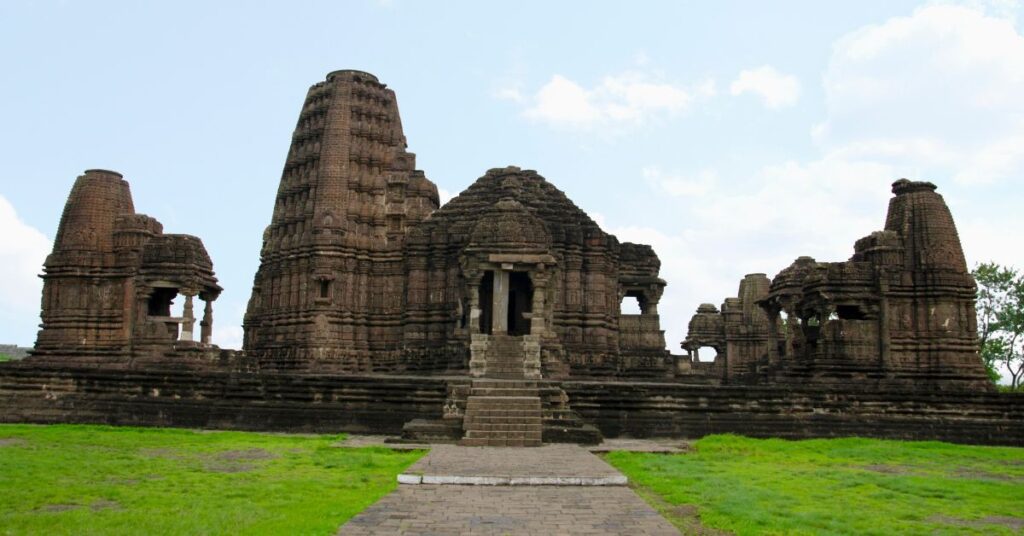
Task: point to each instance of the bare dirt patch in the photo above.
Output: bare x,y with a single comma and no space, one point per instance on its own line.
58,507
228,461
974,474
12,442
1012,523
236,461
104,504
246,455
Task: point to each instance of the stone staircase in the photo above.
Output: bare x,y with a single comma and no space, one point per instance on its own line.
505,357
503,413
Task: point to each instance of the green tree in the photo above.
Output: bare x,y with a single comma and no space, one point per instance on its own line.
1000,308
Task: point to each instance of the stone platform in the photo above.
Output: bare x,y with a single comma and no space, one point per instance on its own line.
193,397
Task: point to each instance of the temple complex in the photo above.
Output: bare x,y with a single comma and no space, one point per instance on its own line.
495,319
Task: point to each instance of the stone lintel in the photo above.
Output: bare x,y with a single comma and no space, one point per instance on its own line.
499,258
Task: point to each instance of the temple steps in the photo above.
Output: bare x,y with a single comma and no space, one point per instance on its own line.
505,357
503,413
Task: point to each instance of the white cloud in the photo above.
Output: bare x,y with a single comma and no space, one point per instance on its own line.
23,249
931,96
938,91
680,186
727,228
628,98
228,337
777,90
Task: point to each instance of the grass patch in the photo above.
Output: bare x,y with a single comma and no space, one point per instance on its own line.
69,479
5,357
834,486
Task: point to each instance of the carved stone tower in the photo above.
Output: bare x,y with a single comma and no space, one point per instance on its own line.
109,284
329,289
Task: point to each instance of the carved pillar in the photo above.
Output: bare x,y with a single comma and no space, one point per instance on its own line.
540,289
884,337
474,305
188,320
499,311
773,334
652,297
206,326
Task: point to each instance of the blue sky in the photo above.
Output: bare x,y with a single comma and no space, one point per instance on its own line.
732,136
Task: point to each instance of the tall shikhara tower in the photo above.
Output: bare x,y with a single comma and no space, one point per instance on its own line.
330,287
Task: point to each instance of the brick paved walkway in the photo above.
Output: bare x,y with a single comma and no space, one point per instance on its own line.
534,510
422,509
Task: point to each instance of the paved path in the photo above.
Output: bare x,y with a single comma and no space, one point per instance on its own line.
597,503
546,465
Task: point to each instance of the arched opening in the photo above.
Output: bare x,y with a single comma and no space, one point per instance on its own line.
630,305
850,312
705,354
160,301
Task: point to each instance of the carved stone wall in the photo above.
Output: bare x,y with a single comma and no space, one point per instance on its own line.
110,281
738,334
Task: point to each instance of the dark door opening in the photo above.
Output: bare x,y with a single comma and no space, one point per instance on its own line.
520,303
160,301
486,301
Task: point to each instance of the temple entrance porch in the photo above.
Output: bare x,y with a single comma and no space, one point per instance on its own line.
507,315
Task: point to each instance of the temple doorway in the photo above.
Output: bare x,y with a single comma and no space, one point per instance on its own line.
520,303
486,301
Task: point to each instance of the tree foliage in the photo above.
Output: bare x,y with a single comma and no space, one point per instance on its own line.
1000,307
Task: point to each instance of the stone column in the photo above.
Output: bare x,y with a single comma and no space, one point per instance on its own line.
773,335
537,308
499,311
478,342
474,306
188,320
206,326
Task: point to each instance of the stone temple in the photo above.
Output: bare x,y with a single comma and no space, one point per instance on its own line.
113,274
362,272
494,319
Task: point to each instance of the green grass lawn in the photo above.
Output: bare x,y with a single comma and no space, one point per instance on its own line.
66,479
5,357
837,486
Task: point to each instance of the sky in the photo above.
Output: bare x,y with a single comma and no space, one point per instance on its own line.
731,136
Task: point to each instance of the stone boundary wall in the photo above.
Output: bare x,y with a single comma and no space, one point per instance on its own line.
34,393
217,400
692,411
